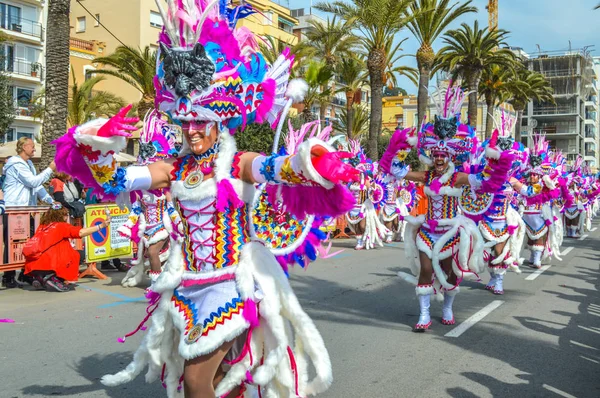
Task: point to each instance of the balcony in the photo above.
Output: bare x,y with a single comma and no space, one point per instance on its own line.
21,69
554,110
560,73
21,26
591,104
28,112
80,44
591,153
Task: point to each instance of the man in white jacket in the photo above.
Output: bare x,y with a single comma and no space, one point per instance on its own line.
23,186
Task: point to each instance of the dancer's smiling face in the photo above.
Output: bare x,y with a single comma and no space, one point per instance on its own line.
200,136
534,178
440,162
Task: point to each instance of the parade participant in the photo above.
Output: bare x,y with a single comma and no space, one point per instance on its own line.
396,205
499,223
537,197
220,288
448,245
363,219
49,257
574,221
152,217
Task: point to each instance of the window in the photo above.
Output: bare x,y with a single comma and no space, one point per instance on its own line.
21,134
10,17
155,19
268,18
97,22
10,135
89,74
80,24
24,97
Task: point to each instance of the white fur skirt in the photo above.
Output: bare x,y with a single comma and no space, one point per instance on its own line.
495,230
155,233
572,212
389,213
354,216
206,316
535,225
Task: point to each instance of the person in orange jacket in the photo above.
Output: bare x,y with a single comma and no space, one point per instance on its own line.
49,257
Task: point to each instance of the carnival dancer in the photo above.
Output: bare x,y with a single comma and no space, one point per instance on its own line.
574,221
396,205
363,219
221,288
499,223
153,218
448,245
537,198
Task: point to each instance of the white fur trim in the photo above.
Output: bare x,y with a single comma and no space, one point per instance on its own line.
296,90
425,160
306,165
492,153
412,140
548,182
103,144
424,290
374,228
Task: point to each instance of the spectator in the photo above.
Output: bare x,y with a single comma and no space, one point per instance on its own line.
23,187
1,202
49,257
67,194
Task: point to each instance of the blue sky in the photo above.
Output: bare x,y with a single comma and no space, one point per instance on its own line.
547,23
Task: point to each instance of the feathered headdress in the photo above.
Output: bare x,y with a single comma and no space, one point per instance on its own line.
502,140
447,134
539,160
159,140
210,70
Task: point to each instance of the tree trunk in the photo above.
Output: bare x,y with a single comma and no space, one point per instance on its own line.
423,96
57,76
489,117
349,113
518,126
473,99
376,65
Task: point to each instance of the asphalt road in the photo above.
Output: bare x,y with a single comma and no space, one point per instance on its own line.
541,339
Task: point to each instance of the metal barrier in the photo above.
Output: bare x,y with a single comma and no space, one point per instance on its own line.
17,226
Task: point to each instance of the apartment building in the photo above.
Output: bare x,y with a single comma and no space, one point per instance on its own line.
392,115
338,102
22,58
571,124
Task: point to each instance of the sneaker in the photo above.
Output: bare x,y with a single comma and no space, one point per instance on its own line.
55,284
9,283
22,279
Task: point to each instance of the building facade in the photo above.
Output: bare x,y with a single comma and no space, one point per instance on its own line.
22,58
392,115
338,102
571,124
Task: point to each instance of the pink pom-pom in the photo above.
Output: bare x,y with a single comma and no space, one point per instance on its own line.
251,312
226,194
121,339
511,229
436,185
548,223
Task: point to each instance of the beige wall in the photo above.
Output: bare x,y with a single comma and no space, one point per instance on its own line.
129,20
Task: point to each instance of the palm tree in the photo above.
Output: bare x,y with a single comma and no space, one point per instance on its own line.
351,72
497,85
316,75
377,21
355,126
86,104
536,87
57,75
468,52
136,67
427,26
393,67
329,42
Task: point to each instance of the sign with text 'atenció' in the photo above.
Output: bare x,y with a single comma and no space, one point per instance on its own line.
106,243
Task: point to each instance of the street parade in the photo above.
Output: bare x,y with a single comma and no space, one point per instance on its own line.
230,235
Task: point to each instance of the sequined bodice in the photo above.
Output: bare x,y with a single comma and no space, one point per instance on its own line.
154,209
212,239
391,194
441,206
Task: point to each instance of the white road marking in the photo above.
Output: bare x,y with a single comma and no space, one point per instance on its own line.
589,359
557,391
593,229
473,319
566,251
583,237
537,273
583,345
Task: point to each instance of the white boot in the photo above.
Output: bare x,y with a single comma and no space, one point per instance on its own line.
359,243
492,282
424,294
499,288
389,237
537,258
531,256
447,314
